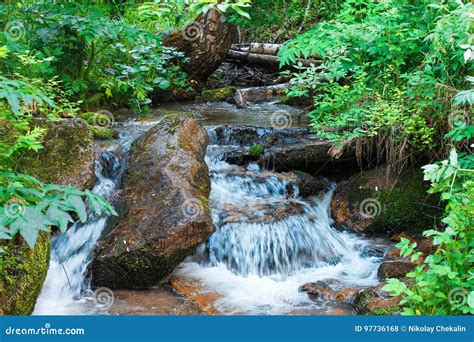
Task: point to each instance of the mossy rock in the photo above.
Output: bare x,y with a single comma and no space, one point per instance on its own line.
256,150
377,202
95,118
296,101
389,311
103,133
215,95
22,274
67,157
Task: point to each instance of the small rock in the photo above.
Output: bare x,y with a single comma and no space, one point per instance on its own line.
319,290
394,269
347,295
310,185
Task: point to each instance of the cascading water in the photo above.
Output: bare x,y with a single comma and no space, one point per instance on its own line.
66,289
269,241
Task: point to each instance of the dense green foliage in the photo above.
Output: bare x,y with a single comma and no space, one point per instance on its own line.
58,58
391,69
445,280
276,21
395,73
400,73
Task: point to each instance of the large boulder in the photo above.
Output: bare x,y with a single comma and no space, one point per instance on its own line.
164,212
379,202
67,158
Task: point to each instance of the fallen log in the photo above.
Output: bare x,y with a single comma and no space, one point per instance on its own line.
259,48
262,59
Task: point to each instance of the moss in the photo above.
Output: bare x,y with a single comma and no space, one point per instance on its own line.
22,273
389,311
67,153
404,202
93,118
103,133
256,150
220,94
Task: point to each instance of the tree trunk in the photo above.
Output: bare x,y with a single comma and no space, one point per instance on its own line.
206,42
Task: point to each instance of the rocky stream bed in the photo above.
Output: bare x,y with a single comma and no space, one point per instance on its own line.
239,211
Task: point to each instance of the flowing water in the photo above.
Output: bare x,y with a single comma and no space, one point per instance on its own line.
273,243
66,289
268,241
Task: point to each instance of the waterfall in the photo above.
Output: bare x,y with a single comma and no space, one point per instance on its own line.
66,285
269,241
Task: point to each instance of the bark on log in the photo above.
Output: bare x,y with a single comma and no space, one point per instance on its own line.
206,42
255,58
260,48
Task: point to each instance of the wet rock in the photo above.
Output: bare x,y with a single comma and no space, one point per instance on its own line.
394,269
326,290
221,94
67,158
347,295
393,254
259,212
196,293
376,202
250,135
309,155
318,290
375,301
310,185
164,211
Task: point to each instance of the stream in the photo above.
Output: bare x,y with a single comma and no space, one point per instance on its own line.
269,240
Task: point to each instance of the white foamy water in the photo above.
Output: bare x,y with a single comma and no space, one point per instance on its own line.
257,266
66,289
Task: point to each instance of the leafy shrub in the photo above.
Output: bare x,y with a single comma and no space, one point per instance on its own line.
391,69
